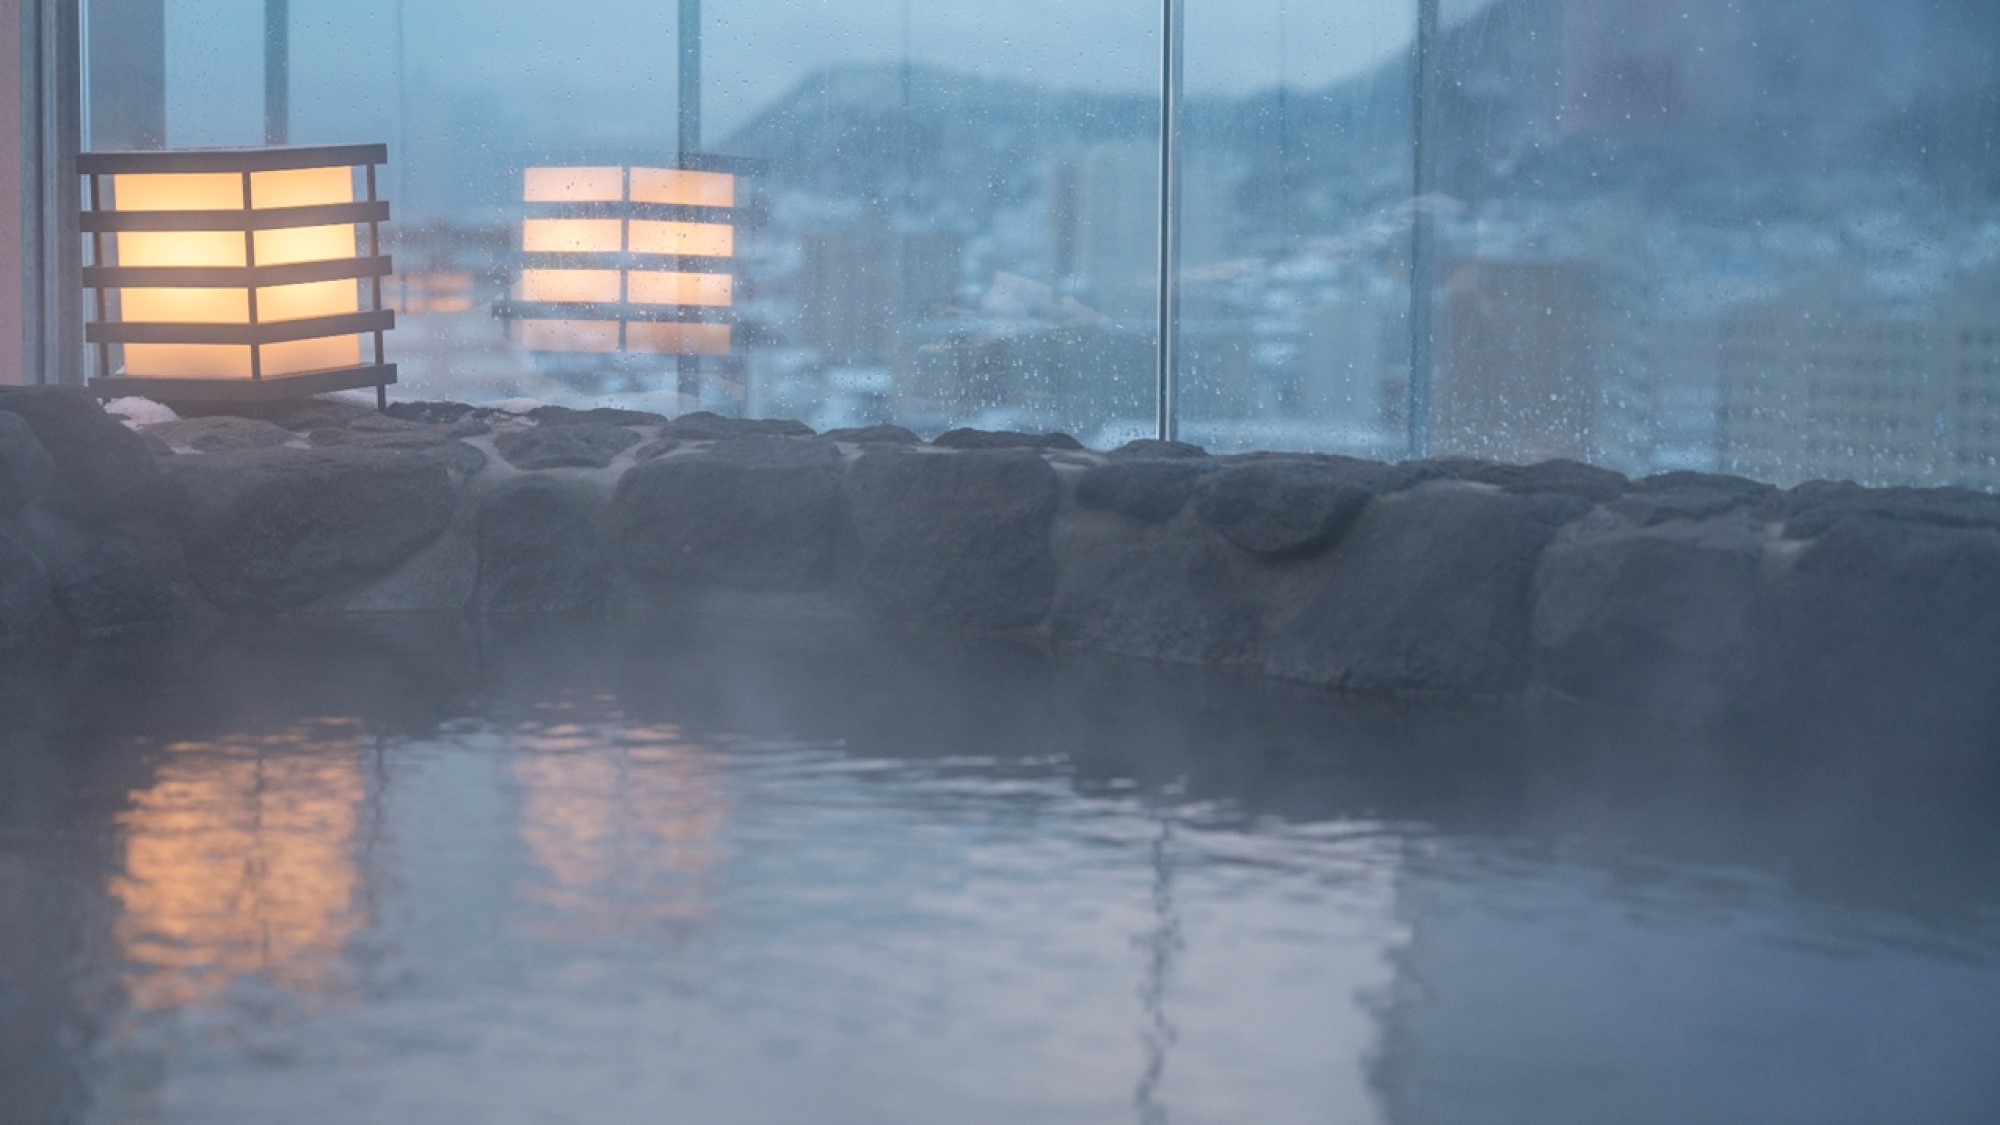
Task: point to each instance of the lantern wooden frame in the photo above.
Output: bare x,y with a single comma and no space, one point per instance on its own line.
103,223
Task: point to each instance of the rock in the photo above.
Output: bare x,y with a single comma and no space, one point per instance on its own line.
1003,439
758,513
1813,507
1560,477
220,433
273,530
27,472
955,541
1152,449
1153,491
461,458
110,589
28,613
1173,599
539,552
1428,594
875,435
302,415
102,469
380,431
590,445
598,416
658,447
1687,496
434,413
1656,620
1280,509
156,447
704,426
1887,627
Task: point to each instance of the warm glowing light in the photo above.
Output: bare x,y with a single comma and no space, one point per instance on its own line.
669,338
651,287
569,335
206,292
706,240
623,838
569,285
574,185
239,862
572,236
688,189
597,226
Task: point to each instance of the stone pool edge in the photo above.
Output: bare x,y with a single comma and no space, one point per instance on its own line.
1693,596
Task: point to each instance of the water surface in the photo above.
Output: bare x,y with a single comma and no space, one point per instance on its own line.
321,874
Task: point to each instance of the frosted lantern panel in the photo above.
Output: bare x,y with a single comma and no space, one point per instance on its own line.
574,185
572,236
688,189
704,240
223,191
646,287
569,285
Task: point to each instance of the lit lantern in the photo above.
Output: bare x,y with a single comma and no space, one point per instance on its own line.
626,260
237,274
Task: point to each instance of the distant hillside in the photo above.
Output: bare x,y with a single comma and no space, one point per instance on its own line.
1706,105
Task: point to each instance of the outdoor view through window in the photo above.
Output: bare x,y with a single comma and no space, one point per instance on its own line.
1760,238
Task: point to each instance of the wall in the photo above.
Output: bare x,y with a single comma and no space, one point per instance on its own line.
10,197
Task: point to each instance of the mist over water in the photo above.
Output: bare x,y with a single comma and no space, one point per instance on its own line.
319,874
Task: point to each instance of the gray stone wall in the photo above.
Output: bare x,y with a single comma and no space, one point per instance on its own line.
1704,598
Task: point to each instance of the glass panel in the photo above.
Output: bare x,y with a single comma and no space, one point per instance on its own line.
956,226
1295,230
1759,238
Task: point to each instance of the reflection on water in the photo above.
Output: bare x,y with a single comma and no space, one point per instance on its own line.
239,860
622,822
726,881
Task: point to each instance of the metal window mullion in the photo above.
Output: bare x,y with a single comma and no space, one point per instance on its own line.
51,74
1166,400
1423,249
277,72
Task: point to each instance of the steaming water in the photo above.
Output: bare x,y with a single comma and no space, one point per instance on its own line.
401,879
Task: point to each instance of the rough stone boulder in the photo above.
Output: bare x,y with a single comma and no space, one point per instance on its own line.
103,470
1280,509
539,551
1428,594
755,513
28,613
965,438
26,470
599,416
703,425
1167,599
221,433
273,530
1657,619
1813,507
1560,477
433,413
306,414
383,431
1155,448
955,540
109,588
1688,496
1153,491
875,435
588,445
1891,626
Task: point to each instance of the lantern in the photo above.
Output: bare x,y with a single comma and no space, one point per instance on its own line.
237,275
619,259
